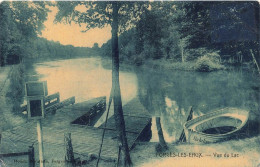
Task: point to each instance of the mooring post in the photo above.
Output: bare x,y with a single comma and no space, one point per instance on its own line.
119,154
31,156
254,59
183,137
78,162
58,97
69,156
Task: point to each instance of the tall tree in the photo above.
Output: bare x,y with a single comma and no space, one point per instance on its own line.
121,15
118,110
4,33
235,27
21,22
195,15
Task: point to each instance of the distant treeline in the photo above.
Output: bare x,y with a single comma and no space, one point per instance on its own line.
43,49
218,32
20,25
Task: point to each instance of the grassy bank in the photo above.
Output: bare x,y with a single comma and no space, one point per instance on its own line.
202,64
11,96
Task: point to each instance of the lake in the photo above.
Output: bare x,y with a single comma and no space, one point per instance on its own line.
167,94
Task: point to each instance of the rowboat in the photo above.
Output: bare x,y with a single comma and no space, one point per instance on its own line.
216,126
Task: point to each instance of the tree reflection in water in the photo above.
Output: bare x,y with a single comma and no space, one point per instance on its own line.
169,95
152,94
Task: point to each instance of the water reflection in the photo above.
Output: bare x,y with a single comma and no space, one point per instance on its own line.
165,94
169,94
152,92
84,78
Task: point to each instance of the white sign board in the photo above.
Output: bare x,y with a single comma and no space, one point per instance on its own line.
35,88
35,92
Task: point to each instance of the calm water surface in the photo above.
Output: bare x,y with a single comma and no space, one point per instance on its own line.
168,94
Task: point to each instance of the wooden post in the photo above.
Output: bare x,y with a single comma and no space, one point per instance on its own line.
58,97
118,156
183,137
39,132
254,59
69,156
78,162
31,156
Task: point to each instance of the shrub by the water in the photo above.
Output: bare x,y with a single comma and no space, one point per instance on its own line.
208,62
16,87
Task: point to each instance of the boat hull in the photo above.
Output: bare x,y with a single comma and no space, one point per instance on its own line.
197,130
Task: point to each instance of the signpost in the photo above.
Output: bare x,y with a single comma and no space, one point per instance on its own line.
35,92
40,143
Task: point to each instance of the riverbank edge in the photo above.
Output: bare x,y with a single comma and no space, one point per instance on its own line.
160,65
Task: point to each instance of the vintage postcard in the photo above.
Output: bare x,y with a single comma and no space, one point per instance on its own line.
129,83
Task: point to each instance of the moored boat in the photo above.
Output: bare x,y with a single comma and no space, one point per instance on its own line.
216,126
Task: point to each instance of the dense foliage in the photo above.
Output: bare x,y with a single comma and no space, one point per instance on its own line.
21,24
192,32
176,32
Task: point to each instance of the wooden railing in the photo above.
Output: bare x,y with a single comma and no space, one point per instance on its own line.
52,109
48,101
52,103
92,116
52,99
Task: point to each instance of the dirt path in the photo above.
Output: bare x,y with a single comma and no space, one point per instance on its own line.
4,72
233,153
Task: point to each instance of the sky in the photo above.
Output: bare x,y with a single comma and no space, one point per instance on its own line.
68,34
71,34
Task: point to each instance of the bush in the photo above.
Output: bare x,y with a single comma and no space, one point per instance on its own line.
16,87
194,54
208,62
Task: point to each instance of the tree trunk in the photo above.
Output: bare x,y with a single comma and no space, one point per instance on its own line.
160,134
182,55
118,110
